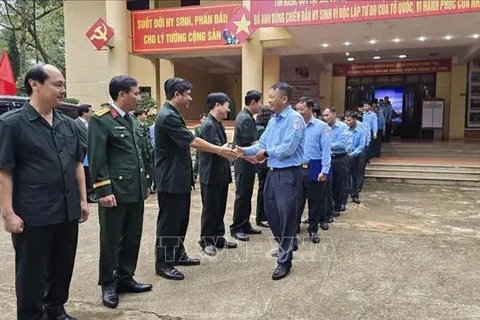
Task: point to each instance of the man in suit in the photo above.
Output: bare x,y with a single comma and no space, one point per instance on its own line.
84,113
245,136
197,134
174,178
143,133
117,167
215,176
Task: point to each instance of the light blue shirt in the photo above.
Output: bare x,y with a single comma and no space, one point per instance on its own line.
151,130
381,121
358,141
366,129
340,137
370,117
387,111
318,139
283,140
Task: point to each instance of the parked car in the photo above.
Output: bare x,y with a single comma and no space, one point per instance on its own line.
14,102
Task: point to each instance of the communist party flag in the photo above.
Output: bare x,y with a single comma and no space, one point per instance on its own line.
7,79
240,28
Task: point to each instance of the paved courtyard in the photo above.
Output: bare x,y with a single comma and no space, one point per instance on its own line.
406,252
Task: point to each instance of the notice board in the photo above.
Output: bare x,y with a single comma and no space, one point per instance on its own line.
432,116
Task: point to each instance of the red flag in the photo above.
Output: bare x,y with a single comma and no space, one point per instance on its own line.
7,79
240,28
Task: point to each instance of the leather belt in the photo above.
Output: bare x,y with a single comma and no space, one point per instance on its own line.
339,155
281,169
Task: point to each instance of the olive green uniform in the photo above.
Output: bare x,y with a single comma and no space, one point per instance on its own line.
117,166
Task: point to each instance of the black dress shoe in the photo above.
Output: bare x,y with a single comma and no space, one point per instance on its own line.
133,286
240,236
225,244
343,207
324,225
336,213
280,272
110,295
252,231
210,250
314,237
356,200
92,199
187,262
170,273
330,219
57,314
263,224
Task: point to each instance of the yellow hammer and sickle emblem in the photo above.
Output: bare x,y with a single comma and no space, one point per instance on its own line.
100,33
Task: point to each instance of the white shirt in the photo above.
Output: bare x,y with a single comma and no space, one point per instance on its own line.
120,111
85,122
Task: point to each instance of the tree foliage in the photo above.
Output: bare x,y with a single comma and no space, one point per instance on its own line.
37,27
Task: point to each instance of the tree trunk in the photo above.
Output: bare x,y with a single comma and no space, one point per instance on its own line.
23,36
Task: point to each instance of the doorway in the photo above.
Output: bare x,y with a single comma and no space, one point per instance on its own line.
406,92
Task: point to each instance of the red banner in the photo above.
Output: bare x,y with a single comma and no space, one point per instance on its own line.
285,13
183,29
396,67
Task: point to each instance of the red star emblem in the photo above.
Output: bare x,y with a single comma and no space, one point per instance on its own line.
240,28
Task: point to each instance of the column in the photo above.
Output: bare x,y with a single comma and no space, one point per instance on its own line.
338,93
271,72
457,102
166,70
252,64
116,15
325,88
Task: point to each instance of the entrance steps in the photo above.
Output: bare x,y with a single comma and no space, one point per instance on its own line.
435,149
424,174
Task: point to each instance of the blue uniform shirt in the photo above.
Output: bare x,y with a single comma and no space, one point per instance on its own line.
370,117
283,140
152,134
340,138
317,143
366,128
358,141
381,121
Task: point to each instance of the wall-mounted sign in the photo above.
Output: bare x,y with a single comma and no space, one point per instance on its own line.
284,13
394,67
473,97
189,28
432,114
99,33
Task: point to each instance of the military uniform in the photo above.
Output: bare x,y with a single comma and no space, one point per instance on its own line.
146,147
117,166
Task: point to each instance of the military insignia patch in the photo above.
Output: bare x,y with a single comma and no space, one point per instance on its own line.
102,112
296,124
114,113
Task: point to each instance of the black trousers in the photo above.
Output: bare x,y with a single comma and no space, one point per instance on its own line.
329,197
363,166
339,169
44,261
377,144
172,225
120,236
388,131
214,202
314,193
282,194
88,182
242,208
353,180
262,177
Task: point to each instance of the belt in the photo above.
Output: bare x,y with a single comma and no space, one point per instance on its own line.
339,155
281,169
305,166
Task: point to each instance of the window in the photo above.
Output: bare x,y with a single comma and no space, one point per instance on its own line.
133,5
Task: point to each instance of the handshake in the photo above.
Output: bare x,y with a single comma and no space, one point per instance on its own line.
239,152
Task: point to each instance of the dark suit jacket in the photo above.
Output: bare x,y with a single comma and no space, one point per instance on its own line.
173,161
82,136
214,170
245,135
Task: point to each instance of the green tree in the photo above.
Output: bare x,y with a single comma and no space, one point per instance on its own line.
13,54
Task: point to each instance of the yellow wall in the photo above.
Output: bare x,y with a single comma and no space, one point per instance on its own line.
457,102
143,70
325,90
338,92
271,73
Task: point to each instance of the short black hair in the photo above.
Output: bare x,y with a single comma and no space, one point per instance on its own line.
331,108
284,88
216,97
316,109
308,101
138,112
121,84
264,115
83,108
202,115
351,114
175,84
252,95
35,73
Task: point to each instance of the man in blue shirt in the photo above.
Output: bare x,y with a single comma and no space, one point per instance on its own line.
370,118
315,168
340,147
355,155
282,146
387,112
377,144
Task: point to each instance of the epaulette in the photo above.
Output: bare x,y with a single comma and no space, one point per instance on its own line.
102,112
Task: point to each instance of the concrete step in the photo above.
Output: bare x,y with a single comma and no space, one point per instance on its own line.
424,174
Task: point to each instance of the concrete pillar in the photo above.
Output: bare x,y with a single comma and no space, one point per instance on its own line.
271,72
325,89
442,90
116,14
252,61
338,93
166,70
